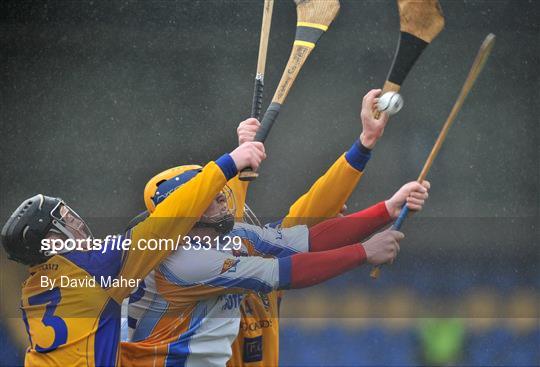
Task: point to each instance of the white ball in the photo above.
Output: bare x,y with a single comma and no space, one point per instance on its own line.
390,102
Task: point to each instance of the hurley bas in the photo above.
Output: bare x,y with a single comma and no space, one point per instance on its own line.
87,282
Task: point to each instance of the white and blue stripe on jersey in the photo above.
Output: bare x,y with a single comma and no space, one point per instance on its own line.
197,286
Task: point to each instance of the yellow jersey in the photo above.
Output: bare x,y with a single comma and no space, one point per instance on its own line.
257,343
71,303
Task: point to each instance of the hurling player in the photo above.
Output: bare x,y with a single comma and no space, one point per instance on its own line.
78,324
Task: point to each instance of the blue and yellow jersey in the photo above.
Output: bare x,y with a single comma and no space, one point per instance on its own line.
72,320
187,313
71,303
257,343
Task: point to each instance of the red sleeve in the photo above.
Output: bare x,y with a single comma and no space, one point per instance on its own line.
342,231
310,268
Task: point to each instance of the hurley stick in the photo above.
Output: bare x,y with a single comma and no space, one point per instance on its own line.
420,22
313,19
261,60
258,89
476,68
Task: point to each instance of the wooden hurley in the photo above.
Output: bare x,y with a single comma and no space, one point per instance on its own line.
313,19
261,60
476,68
258,89
420,22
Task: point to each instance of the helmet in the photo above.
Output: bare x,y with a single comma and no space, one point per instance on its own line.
164,183
151,188
31,222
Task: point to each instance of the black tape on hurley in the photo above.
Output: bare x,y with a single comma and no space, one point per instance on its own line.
256,105
409,50
267,122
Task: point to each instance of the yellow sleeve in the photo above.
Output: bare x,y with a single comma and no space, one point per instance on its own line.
174,217
239,189
326,197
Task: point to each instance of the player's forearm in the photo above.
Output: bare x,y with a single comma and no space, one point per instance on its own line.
343,231
308,269
327,195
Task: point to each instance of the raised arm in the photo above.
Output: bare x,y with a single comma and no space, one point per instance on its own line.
329,193
342,231
334,232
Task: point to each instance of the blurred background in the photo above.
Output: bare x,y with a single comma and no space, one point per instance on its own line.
98,96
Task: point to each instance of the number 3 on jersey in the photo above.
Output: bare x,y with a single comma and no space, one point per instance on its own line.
51,298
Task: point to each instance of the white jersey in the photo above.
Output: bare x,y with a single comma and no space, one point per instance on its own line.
186,312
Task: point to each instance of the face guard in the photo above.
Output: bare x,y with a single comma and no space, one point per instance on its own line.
223,221
32,221
67,222
250,217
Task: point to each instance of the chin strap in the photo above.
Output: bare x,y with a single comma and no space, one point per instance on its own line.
222,226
